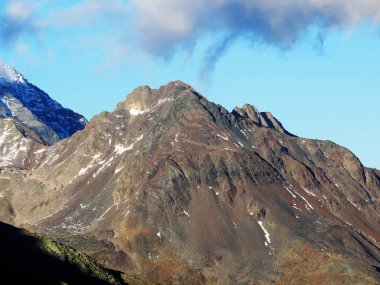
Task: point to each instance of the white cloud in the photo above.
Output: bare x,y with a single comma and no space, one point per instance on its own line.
19,10
159,28
16,20
163,25
88,12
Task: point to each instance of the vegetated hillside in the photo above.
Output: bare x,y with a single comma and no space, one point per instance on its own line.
176,189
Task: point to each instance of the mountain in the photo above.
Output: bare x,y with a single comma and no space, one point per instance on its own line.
18,144
29,259
29,105
178,190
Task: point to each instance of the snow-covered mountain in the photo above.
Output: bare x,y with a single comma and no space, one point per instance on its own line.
31,106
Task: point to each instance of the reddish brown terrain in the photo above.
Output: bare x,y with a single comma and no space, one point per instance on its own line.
177,190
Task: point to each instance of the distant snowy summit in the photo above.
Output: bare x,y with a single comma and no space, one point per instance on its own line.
10,75
31,106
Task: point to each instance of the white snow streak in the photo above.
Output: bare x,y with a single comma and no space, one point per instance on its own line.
82,206
135,112
356,206
102,216
244,133
40,151
308,192
225,138
117,170
303,198
267,235
290,191
94,161
294,193
120,149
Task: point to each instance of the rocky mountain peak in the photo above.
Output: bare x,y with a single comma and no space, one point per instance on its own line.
140,99
31,106
183,97
9,74
143,98
179,189
249,111
263,119
173,86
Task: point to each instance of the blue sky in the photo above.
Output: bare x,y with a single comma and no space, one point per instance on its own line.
314,66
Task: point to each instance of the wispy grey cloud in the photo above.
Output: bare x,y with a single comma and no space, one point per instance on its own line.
160,28
88,12
212,55
165,25
15,21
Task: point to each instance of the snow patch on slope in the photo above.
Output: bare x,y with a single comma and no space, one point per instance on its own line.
94,161
267,235
14,147
135,112
120,149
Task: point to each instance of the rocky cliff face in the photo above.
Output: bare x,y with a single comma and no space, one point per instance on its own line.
177,189
29,105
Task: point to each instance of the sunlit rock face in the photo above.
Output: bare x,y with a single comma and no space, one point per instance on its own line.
174,188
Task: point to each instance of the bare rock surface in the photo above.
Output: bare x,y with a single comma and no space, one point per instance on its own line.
178,190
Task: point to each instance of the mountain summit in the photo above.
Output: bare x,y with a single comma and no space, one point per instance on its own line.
32,107
9,75
178,190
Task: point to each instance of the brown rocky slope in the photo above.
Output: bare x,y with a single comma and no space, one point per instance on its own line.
176,189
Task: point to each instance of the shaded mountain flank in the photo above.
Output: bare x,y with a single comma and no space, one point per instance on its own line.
26,258
177,190
32,107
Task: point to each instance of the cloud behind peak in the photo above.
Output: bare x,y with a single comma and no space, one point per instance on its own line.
16,20
161,28
165,25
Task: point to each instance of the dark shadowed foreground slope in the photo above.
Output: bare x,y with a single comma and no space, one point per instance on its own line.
28,259
176,189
